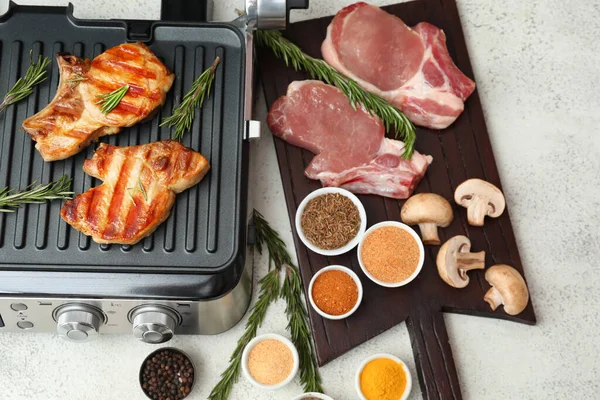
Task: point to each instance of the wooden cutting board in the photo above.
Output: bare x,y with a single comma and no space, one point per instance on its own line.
460,152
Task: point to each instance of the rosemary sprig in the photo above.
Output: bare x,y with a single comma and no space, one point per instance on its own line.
291,292
299,330
140,187
265,235
143,190
109,101
279,260
76,79
11,199
36,74
319,69
269,292
183,115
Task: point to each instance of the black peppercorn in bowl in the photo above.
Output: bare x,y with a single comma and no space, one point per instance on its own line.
167,374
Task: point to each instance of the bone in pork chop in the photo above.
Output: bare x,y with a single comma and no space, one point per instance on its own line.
140,184
74,119
410,68
351,149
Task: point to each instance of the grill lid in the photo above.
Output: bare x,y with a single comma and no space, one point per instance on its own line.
206,230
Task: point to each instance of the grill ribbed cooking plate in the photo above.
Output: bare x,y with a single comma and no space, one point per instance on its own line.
205,232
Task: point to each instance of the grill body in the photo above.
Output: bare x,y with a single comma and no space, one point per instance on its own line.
196,262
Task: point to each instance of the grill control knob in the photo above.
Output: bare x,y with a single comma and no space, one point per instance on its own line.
154,324
78,322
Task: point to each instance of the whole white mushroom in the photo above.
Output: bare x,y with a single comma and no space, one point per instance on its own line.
508,288
429,211
481,199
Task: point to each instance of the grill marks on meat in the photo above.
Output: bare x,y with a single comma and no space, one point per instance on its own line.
73,120
140,184
410,68
65,126
350,147
128,64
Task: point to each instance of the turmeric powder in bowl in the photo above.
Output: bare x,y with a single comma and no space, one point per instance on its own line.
383,377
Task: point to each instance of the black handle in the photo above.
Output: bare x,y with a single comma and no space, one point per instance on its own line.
296,4
184,10
435,364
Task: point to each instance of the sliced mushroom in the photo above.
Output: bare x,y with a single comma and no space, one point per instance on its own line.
454,260
508,288
428,210
480,198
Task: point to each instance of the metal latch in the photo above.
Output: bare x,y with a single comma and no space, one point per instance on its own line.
252,130
270,14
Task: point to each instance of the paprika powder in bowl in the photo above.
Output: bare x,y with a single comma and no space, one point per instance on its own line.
330,221
391,254
383,377
335,292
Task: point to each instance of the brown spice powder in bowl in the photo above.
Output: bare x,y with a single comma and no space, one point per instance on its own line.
390,254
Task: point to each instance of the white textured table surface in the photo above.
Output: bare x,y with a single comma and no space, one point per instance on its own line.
536,66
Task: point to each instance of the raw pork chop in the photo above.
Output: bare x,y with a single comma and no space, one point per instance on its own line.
351,149
140,183
410,68
74,119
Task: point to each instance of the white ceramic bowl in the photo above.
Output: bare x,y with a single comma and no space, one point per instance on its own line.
259,339
352,243
352,275
412,233
313,394
391,357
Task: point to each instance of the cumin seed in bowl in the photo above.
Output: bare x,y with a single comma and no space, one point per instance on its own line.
330,221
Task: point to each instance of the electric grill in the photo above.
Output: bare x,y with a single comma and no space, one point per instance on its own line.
193,275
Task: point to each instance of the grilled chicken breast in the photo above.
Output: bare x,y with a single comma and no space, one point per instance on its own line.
73,119
140,184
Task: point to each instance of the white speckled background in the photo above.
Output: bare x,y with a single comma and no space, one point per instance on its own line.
537,68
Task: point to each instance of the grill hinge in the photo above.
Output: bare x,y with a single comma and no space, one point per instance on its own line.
252,130
139,31
251,237
251,127
270,14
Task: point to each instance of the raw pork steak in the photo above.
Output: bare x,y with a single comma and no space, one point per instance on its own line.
351,149
410,68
